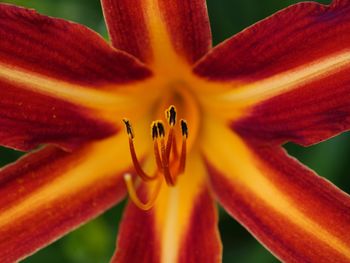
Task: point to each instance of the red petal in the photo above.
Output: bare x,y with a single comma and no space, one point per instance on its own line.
29,119
308,115
185,22
61,50
182,226
293,37
297,215
52,73
51,192
290,88
202,242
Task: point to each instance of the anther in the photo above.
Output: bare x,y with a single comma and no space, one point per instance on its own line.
129,130
133,195
134,158
161,129
171,115
154,130
184,128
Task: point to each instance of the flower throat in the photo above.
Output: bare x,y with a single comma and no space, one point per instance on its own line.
169,161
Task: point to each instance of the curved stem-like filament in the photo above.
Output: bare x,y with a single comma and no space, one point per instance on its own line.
174,147
169,141
157,155
144,176
134,197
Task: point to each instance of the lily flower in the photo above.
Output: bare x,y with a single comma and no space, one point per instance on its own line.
178,125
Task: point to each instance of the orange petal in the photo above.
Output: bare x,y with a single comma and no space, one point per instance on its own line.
154,30
297,215
51,192
181,227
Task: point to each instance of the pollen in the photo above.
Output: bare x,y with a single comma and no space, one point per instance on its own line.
170,162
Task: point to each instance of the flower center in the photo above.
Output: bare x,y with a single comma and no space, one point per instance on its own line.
170,162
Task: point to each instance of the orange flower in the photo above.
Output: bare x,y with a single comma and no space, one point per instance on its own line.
228,111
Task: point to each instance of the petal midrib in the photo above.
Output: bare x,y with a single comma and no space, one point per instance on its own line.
289,80
61,89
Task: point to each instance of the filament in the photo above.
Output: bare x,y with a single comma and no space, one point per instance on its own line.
134,158
157,155
174,147
134,197
169,141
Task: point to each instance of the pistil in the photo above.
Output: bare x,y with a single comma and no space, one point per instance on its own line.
169,167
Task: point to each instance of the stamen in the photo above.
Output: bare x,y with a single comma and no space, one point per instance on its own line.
182,163
169,166
134,158
155,136
184,128
136,199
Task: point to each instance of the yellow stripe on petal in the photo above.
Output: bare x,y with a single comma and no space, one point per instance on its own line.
163,49
111,105
64,60
235,98
58,88
263,61
161,33
174,207
284,82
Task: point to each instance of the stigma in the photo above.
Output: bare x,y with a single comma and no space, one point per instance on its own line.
170,161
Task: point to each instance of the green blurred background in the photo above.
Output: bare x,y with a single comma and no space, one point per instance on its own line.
95,241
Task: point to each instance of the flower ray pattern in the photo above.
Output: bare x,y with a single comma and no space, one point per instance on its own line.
65,92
